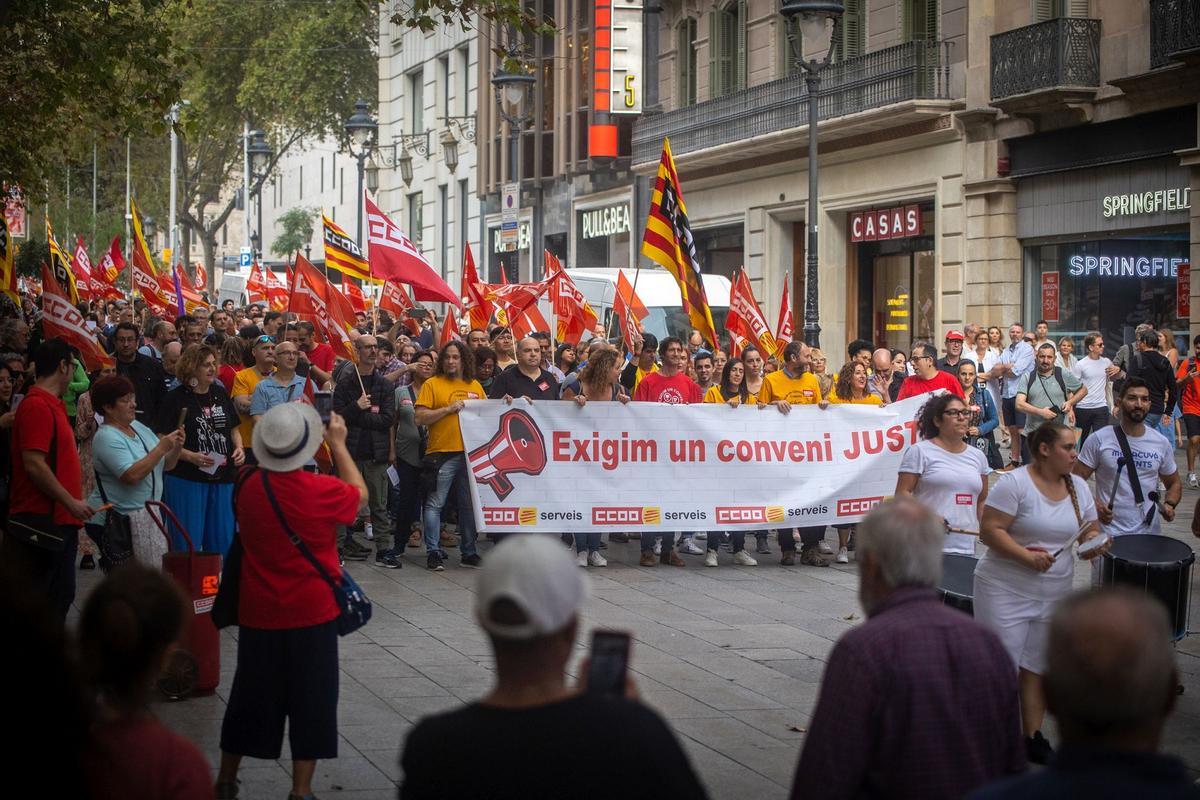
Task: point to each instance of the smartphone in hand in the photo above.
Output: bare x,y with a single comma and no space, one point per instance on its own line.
323,403
609,663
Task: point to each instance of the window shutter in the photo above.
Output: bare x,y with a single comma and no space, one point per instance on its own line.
1077,8
851,44
933,16
714,56
681,70
739,54
1043,10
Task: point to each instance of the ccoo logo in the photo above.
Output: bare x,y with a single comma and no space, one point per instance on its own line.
499,515
858,505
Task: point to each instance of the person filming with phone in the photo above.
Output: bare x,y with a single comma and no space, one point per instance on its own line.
529,735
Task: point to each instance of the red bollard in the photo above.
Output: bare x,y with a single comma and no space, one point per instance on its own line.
199,573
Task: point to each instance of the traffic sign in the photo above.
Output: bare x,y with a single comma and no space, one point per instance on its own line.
246,258
510,206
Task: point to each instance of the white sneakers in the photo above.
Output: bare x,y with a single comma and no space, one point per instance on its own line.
658,547
581,558
710,558
593,559
690,547
825,548
1192,482
741,558
843,556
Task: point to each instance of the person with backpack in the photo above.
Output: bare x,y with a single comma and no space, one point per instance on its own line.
1048,394
1153,367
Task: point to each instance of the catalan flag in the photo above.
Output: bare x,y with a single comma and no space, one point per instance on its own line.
342,253
668,241
60,266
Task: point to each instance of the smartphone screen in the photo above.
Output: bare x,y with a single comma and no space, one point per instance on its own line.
610,660
323,402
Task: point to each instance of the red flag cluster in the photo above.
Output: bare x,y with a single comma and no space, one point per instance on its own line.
574,316
395,301
315,299
746,319
62,320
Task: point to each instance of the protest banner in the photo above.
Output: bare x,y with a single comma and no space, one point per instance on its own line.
556,467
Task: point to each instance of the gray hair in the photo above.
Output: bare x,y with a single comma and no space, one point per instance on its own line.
906,540
1110,643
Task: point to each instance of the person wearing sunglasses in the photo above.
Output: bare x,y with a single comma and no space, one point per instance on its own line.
247,380
926,376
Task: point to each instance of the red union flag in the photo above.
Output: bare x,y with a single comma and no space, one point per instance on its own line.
475,293
161,302
396,302
256,285
574,315
315,299
745,317
519,301
785,329
62,320
629,311
449,330
277,293
81,265
355,296
393,256
113,262
201,277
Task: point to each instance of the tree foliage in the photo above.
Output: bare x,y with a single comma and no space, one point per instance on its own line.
297,226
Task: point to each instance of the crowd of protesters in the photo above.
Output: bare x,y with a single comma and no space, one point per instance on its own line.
214,414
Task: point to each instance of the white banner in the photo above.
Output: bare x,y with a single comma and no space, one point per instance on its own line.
554,467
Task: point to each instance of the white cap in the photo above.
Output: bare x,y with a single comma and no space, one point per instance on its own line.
535,572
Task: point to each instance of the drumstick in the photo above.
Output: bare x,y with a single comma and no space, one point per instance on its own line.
951,529
1112,496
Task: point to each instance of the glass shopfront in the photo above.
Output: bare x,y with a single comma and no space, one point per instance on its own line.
602,236
1110,285
897,274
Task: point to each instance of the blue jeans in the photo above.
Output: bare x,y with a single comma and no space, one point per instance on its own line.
452,474
1153,421
587,541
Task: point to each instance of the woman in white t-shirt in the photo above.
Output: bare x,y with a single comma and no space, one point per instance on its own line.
947,475
1031,519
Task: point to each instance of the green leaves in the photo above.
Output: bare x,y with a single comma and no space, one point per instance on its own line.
297,229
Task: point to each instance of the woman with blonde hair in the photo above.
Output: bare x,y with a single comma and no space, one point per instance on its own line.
599,382
818,367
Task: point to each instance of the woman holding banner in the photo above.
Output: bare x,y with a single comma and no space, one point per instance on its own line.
850,388
944,472
599,382
731,390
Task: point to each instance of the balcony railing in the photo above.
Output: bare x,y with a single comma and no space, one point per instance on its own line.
1047,55
910,71
1174,29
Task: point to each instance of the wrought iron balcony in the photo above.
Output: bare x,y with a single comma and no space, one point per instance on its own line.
1174,30
911,71
1052,55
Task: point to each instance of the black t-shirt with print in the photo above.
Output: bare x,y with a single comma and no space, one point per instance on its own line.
208,426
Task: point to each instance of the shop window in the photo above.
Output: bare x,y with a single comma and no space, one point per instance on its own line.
685,63
1053,9
416,101
727,49
919,19
897,292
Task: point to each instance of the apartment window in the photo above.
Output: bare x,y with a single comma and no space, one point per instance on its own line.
444,80
322,175
333,170
444,233
727,48
464,217
462,74
416,101
685,60
415,213
301,182
919,19
342,185
1053,9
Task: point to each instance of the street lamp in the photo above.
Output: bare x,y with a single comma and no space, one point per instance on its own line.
260,157
818,22
255,241
449,149
361,129
458,129
512,85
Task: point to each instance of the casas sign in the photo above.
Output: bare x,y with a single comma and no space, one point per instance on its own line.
900,222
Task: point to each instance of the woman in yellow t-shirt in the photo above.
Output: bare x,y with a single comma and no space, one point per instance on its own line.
732,387
851,388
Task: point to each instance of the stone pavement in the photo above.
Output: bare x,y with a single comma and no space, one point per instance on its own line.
732,657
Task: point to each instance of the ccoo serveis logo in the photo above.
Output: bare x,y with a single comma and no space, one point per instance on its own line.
626,515
857,505
499,515
747,515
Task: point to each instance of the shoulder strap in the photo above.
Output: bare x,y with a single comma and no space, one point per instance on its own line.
1134,483
1062,384
291,534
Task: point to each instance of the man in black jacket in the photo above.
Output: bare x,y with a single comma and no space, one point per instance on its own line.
145,372
367,401
1154,368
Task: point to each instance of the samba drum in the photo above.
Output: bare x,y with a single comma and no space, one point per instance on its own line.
957,587
1158,565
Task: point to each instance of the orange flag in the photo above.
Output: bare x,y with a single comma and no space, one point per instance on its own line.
62,320
475,294
396,302
629,311
573,315
449,329
784,329
315,299
745,318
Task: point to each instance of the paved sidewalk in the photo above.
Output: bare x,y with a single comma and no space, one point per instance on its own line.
732,657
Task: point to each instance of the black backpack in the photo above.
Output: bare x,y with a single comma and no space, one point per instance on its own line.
1058,376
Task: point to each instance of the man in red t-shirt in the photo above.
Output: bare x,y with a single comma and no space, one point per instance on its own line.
1187,387
46,480
927,377
670,385
320,357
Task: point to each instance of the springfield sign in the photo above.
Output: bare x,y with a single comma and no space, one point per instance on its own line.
555,467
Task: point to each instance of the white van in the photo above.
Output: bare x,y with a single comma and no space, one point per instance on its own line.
657,290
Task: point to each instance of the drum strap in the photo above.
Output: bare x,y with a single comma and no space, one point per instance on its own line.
1134,483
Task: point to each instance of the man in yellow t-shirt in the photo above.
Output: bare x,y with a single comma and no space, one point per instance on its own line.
794,385
244,383
438,403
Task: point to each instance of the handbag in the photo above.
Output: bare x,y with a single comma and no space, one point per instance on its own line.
229,592
116,541
40,530
352,601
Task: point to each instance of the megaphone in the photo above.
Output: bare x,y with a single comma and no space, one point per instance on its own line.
517,447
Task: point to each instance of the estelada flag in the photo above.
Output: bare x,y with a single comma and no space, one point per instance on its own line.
355,296
315,299
668,241
475,294
60,266
574,316
113,262
784,329
341,252
277,293
629,310
62,320
449,329
396,302
394,257
745,318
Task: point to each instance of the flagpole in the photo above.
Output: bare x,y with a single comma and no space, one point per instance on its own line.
128,212
93,196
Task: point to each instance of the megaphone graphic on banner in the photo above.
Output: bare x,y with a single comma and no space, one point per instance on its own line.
517,447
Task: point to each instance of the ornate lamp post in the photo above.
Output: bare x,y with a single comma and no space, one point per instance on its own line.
361,128
260,156
512,86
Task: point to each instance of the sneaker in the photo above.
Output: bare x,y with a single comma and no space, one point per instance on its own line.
825,548
762,548
811,558
788,558
674,560
744,559
87,562
701,535
648,559
1038,749
658,547
1192,482
690,547
388,561
434,562
353,551
473,561
581,558
843,557
710,558
596,560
